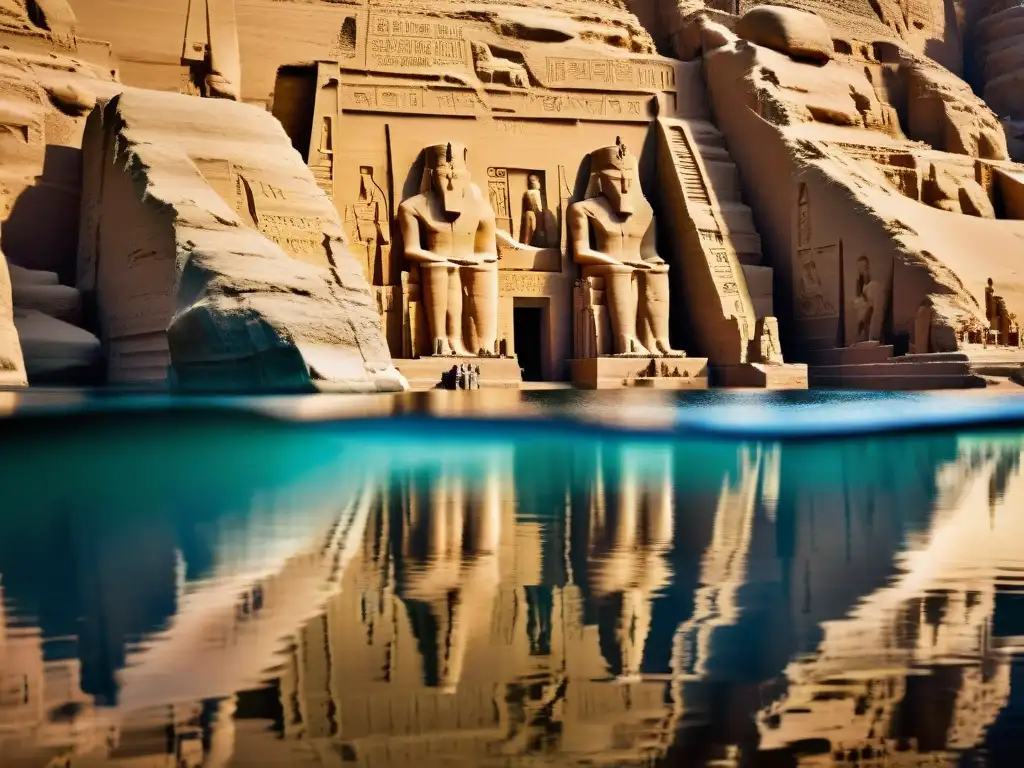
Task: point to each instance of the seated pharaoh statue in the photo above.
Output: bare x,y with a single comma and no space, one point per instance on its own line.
613,236
449,231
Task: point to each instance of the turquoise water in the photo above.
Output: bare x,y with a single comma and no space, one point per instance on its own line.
511,579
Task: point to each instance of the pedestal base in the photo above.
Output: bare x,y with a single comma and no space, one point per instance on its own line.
762,376
424,373
619,372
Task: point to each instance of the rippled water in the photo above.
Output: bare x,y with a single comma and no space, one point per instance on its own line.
224,586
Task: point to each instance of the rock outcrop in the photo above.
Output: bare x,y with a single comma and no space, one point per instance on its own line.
997,59
49,81
12,362
872,223
215,258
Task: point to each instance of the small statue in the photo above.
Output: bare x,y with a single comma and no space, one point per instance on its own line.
449,230
868,303
533,229
617,218
923,326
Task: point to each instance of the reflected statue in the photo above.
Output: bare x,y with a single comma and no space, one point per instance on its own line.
449,231
450,531
613,234
631,533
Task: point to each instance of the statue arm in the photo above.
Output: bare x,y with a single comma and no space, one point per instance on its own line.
409,224
649,245
579,231
485,247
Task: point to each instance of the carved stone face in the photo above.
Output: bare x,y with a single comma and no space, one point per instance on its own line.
452,185
616,186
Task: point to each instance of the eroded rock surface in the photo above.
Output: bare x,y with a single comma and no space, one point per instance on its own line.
875,221
49,81
215,257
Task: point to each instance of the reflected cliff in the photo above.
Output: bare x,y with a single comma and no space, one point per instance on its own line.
250,593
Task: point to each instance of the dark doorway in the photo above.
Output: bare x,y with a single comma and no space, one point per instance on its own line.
528,326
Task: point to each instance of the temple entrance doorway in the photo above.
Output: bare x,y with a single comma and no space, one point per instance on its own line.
530,329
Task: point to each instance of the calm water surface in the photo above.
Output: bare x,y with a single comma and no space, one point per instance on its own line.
185,588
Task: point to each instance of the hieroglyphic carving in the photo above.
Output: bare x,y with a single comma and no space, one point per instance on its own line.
416,42
803,218
497,193
434,101
608,74
521,283
815,297
264,206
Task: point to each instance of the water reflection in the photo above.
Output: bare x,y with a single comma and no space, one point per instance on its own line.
226,593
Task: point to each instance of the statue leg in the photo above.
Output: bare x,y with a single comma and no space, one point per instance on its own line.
655,302
454,326
621,302
434,284
482,290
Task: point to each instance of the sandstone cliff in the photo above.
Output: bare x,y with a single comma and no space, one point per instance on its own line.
211,249
862,192
49,81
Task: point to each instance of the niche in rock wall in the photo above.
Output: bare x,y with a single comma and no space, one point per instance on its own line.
519,198
294,102
345,44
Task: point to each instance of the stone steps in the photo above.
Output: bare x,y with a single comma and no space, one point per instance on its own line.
847,355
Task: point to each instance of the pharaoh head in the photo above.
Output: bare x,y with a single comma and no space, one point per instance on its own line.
613,175
446,173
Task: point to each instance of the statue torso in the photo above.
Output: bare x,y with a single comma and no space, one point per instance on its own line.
442,235
616,235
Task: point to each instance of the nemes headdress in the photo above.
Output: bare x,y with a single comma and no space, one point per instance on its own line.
441,156
616,157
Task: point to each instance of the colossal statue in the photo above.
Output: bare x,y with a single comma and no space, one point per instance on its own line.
449,231
613,236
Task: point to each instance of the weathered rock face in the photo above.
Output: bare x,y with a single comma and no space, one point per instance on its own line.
997,56
12,363
272,34
786,30
49,81
212,251
873,223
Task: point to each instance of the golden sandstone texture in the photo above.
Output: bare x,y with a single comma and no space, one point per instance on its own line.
292,195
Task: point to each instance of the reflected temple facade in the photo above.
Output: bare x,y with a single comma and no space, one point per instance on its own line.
613,602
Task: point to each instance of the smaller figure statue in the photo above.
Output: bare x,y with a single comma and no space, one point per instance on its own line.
769,349
613,234
533,229
923,326
868,303
812,294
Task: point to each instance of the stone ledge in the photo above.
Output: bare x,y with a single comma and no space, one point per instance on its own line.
424,373
618,372
762,376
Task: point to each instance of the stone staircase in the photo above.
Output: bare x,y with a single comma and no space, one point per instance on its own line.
874,367
738,218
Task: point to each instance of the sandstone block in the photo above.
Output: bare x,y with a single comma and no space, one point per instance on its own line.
213,241
12,362
796,33
55,350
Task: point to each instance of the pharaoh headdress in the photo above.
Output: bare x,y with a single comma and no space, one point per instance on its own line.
616,157
440,156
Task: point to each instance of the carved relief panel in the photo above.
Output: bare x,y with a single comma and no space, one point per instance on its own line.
519,198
